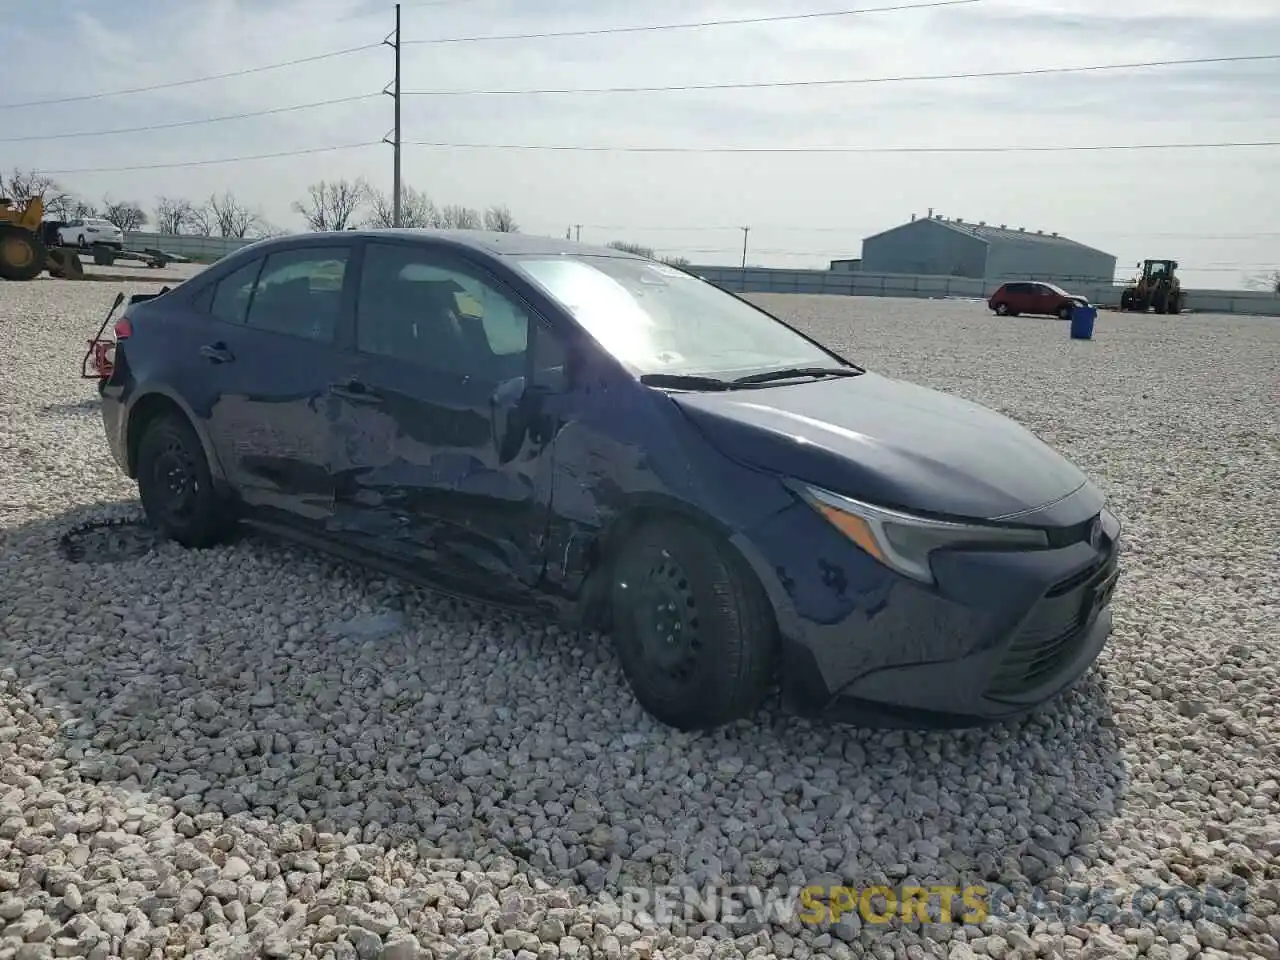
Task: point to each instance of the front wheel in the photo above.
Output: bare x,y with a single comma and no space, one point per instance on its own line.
694,630
1065,312
175,485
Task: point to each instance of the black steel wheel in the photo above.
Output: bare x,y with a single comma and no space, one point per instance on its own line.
1002,309
1065,312
22,255
693,628
175,484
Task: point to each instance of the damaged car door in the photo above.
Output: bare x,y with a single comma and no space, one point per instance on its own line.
268,352
439,459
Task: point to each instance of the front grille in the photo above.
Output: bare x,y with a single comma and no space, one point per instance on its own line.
1053,633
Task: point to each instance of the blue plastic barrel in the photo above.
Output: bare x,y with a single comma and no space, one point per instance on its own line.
1082,319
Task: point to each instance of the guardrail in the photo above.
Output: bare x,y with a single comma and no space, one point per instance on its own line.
778,280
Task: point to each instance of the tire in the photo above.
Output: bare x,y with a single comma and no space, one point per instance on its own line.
194,516
716,659
1002,310
22,255
1065,312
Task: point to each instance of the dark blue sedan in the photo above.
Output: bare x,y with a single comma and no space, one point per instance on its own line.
551,426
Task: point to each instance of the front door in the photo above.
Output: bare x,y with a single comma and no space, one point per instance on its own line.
273,353
430,465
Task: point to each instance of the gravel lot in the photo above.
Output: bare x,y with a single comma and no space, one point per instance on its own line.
202,754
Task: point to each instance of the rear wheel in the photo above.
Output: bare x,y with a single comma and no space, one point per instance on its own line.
1002,309
693,628
175,484
22,255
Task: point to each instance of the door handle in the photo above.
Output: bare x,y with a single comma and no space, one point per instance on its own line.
354,391
216,353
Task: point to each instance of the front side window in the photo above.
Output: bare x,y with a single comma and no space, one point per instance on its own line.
656,319
437,314
299,293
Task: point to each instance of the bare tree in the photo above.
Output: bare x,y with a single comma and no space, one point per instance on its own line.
682,262
230,218
173,215
416,210
499,218
333,205
125,214
635,248
457,217
202,222
79,209
21,186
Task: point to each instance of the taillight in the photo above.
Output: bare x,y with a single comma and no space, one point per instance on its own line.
102,352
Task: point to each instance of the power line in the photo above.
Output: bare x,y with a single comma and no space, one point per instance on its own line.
695,25
1056,148
183,83
205,163
906,78
188,123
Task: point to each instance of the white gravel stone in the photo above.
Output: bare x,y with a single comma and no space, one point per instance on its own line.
252,750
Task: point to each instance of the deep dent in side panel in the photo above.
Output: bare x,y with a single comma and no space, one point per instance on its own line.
428,474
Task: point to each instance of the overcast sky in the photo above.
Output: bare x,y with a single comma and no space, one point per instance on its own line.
1214,210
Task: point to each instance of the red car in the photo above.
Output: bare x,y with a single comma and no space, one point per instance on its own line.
1012,299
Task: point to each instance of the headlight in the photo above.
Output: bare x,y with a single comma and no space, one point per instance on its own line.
904,542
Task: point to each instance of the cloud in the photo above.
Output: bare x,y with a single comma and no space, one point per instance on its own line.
1122,202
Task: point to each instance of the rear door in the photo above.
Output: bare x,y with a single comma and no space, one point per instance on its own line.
273,354
432,464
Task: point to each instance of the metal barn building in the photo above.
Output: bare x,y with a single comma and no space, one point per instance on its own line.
935,246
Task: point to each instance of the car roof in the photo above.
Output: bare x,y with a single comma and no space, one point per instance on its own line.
489,242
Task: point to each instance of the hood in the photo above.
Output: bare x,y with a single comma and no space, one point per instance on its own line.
888,442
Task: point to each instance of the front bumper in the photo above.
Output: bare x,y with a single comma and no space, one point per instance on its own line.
998,635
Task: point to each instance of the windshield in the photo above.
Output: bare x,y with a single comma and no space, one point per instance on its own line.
656,319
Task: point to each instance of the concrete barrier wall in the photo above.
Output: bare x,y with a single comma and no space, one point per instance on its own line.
776,280
197,248
773,280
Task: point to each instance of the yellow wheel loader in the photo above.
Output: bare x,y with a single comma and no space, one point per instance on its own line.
23,253
1158,288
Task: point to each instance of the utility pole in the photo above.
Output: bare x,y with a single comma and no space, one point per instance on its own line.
394,93
745,231
577,232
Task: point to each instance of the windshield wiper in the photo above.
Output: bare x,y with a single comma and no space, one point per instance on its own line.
796,373
684,381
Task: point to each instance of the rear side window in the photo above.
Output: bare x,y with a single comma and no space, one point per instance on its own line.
300,293
231,293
